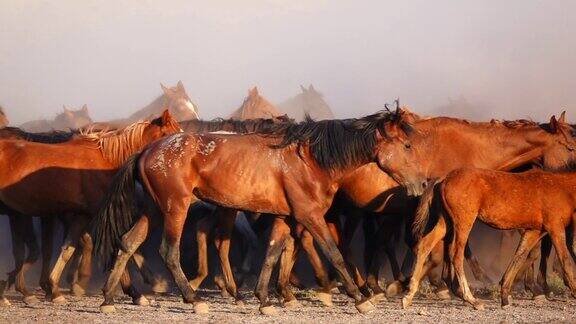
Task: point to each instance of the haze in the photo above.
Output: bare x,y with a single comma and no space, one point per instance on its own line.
512,59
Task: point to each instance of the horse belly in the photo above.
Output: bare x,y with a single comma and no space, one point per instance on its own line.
510,210
251,191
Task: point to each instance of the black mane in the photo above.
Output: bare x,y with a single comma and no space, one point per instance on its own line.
335,144
53,137
258,125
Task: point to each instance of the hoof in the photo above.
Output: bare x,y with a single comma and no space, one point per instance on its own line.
506,302
4,302
365,307
77,290
268,310
478,306
201,308
406,302
224,293
540,298
107,309
443,294
325,298
161,286
379,297
394,289
141,301
60,300
239,302
30,300
292,303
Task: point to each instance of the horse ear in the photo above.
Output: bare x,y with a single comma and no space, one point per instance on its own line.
65,109
85,108
166,117
562,119
303,89
253,92
553,124
311,88
166,90
180,85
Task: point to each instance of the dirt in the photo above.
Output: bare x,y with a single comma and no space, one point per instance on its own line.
170,308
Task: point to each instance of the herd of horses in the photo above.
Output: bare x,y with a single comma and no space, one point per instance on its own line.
309,183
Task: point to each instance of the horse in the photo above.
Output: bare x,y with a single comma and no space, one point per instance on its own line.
295,173
309,102
81,168
21,226
175,98
66,120
535,202
416,154
255,106
3,119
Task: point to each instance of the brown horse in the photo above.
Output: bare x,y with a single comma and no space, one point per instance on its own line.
417,154
255,106
535,202
81,168
309,102
68,119
175,98
296,173
21,228
3,119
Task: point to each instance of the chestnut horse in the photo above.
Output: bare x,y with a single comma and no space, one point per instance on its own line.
21,228
535,202
81,168
416,156
296,173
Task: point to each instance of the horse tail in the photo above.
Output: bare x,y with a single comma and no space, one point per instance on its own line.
117,213
423,211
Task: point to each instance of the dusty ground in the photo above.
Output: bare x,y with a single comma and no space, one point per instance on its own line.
170,308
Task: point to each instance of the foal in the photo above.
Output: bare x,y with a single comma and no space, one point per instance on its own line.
536,202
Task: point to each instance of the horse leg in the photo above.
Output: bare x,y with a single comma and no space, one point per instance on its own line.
558,236
21,229
352,221
278,235
131,241
307,242
456,250
203,229
422,249
84,271
287,260
174,219
129,289
529,282
226,218
545,250
76,228
380,240
159,284
477,270
47,225
434,268
315,224
527,242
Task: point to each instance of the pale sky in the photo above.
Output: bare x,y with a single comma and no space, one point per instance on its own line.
516,58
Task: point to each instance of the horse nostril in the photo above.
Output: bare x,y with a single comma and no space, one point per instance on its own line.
424,184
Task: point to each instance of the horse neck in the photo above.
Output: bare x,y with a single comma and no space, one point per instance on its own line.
494,146
154,107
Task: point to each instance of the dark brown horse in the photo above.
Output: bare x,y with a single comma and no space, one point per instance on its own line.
296,173
535,202
417,154
81,168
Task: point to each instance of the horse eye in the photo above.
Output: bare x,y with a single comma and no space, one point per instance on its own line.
407,145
